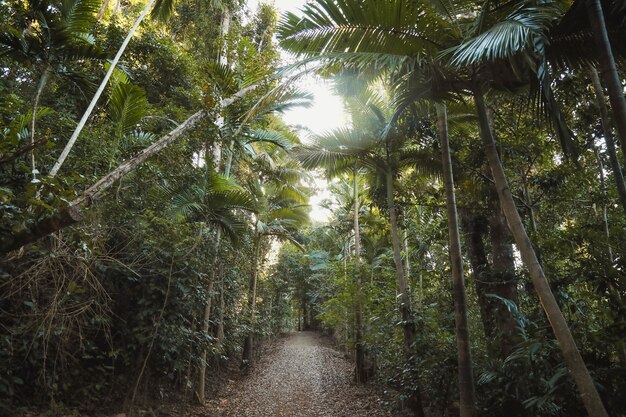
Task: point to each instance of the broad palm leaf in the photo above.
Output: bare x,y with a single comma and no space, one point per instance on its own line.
214,200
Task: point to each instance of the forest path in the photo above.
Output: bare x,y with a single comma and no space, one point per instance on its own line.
302,377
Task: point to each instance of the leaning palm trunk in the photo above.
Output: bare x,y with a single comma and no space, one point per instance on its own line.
608,137
608,69
572,357
466,377
408,325
73,213
96,96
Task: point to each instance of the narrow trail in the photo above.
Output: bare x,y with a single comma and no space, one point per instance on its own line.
303,377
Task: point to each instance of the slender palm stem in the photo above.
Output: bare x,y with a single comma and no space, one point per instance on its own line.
466,375
608,137
206,318
408,325
571,354
40,87
96,96
608,68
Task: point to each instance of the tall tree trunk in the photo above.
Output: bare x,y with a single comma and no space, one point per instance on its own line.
611,78
466,375
605,218
608,137
408,325
73,213
475,227
359,347
503,277
248,345
96,96
572,357
206,316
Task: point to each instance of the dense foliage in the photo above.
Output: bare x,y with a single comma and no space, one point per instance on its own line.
175,237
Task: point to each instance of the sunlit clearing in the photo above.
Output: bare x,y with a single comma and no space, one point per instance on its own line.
319,213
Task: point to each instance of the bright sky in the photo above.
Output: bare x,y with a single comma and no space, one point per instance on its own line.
327,112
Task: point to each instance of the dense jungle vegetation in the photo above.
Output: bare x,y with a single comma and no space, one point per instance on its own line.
155,225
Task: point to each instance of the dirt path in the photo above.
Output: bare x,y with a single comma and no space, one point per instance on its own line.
303,377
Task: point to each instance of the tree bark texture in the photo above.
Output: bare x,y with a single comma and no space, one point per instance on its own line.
206,317
248,345
408,326
98,93
608,69
503,279
466,375
72,214
33,120
608,137
359,347
573,359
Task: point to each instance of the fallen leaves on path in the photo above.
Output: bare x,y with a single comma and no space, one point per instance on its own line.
303,377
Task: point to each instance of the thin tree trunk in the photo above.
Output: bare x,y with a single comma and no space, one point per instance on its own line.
408,325
102,10
33,120
405,249
361,374
246,357
474,227
220,324
503,277
466,375
605,219
96,96
73,213
572,357
611,78
206,320
608,137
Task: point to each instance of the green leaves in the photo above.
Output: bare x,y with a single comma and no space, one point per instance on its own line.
524,30
128,105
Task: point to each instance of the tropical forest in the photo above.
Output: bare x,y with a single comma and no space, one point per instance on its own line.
312,208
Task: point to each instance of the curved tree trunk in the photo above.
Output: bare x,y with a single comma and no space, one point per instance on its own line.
96,96
33,120
573,360
611,78
608,137
466,375
408,325
73,213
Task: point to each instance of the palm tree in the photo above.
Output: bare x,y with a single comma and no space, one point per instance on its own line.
211,202
607,66
282,210
162,10
50,38
484,44
466,376
379,148
73,213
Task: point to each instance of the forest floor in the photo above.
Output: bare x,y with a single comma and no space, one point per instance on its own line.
303,376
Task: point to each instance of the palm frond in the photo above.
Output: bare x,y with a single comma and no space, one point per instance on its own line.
79,16
524,30
128,105
279,139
